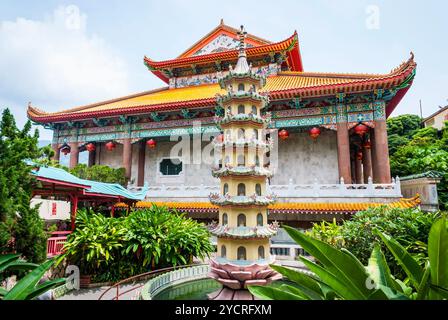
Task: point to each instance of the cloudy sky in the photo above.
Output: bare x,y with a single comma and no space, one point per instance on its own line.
61,54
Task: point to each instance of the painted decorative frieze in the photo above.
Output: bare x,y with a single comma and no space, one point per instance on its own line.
379,110
210,78
325,116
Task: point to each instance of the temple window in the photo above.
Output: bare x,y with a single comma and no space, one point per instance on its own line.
225,188
260,252
241,160
241,189
254,110
241,253
240,133
258,189
170,167
241,109
241,87
223,251
255,134
259,219
241,220
225,219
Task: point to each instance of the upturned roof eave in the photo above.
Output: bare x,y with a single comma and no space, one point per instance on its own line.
393,79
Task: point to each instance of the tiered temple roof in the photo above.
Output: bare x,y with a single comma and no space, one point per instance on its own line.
292,82
282,86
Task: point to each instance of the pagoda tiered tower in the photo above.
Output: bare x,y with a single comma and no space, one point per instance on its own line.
243,231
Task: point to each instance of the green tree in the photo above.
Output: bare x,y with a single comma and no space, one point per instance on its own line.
400,130
100,173
18,220
427,150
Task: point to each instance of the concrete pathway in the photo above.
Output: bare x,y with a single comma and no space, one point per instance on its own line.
95,293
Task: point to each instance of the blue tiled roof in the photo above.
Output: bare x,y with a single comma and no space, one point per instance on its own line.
93,187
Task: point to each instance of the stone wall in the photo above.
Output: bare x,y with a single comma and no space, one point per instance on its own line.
304,160
426,188
300,159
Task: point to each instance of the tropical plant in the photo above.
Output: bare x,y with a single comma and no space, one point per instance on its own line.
112,249
26,288
338,274
179,238
93,244
410,227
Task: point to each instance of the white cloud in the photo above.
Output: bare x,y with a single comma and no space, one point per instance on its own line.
56,63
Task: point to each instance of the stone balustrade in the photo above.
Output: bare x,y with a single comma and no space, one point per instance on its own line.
288,192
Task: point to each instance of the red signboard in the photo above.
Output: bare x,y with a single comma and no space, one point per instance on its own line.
54,209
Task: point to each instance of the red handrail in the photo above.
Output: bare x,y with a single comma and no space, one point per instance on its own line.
55,244
146,274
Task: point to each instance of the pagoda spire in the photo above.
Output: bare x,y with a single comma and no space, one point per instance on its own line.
242,66
243,231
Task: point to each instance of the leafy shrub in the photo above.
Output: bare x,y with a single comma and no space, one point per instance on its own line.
111,249
100,173
341,276
410,227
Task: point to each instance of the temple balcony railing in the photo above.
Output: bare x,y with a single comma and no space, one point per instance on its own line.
288,192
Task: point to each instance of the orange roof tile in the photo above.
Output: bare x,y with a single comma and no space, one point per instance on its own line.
290,207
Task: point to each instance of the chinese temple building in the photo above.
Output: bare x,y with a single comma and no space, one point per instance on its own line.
328,130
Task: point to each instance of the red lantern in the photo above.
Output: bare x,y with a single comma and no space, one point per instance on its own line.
110,146
367,144
283,134
151,143
314,133
90,147
361,129
220,138
65,150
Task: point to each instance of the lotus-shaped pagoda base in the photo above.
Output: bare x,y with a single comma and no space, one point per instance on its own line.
236,277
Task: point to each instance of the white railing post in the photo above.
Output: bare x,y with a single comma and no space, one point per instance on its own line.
370,188
315,188
398,186
290,188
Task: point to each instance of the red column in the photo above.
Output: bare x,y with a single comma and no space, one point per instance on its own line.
367,163
74,154
343,152
373,157
57,153
92,156
127,157
141,164
358,170
74,207
381,152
